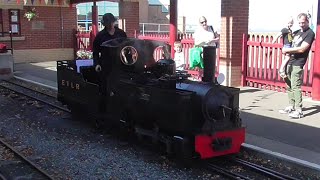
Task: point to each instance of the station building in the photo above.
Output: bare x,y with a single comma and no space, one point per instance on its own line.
47,36
50,35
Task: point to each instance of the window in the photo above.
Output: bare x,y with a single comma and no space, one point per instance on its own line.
14,22
1,23
84,13
165,8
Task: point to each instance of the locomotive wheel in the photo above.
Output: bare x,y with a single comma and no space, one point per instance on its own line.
183,152
98,123
141,138
77,113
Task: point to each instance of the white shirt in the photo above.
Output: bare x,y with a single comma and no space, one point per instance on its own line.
204,37
179,60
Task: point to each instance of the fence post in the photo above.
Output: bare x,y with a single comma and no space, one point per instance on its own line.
244,65
91,38
75,43
143,29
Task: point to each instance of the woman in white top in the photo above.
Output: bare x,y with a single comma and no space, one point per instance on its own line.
205,35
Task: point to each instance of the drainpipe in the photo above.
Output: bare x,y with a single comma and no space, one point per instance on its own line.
94,18
94,25
173,24
62,28
315,92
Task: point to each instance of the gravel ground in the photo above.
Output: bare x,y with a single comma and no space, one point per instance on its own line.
71,150
74,150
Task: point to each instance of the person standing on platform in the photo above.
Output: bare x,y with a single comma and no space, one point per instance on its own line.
302,42
205,35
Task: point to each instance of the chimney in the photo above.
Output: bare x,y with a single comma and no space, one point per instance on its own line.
209,63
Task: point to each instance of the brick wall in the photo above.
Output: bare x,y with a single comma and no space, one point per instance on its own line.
234,22
52,29
129,14
156,15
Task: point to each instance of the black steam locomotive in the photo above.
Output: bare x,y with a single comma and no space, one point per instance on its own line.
134,90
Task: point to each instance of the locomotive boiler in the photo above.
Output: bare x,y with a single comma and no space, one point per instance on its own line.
137,91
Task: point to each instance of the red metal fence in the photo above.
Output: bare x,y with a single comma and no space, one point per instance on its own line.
187,43
261,61
83,42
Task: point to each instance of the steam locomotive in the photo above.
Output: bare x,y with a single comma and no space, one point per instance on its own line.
133,89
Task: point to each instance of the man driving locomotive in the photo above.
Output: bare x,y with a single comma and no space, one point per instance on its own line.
109,32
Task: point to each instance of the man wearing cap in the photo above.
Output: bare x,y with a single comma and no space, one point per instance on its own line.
109,32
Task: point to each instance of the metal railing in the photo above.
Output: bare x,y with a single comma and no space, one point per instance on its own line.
147,28
261,61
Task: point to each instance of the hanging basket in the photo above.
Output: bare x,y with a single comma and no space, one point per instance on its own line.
31,14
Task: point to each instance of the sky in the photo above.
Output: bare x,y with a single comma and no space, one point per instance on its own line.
262,18
268,15
264,15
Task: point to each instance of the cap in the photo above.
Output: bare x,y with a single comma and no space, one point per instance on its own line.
108,18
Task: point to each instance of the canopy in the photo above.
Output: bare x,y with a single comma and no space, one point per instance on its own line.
86,1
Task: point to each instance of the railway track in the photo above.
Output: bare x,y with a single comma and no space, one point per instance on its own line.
250,170
30,87
15,89
14,165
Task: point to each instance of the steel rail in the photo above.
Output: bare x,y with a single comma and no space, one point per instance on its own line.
25,159
35,98
28,88
227,172
267,171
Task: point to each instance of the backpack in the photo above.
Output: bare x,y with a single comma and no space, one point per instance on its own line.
215,35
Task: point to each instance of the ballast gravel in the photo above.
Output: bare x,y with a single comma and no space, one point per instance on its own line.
68,149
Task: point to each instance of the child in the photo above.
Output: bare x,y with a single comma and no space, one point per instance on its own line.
286,34
179,56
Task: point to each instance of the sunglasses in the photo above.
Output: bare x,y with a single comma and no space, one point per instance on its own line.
203,22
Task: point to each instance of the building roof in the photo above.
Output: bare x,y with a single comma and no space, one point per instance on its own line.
159,2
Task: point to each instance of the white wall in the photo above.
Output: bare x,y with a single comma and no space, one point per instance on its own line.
272,15
264,15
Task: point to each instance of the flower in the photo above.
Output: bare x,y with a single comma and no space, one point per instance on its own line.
30,14
83,54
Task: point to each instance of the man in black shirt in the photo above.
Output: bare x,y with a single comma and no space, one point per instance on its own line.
299,51
109,32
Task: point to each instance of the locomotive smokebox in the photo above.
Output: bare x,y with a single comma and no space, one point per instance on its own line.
209,63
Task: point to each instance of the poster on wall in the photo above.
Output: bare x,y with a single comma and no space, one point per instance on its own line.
14,16
14,28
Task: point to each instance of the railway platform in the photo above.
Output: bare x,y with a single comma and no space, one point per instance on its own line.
268,131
